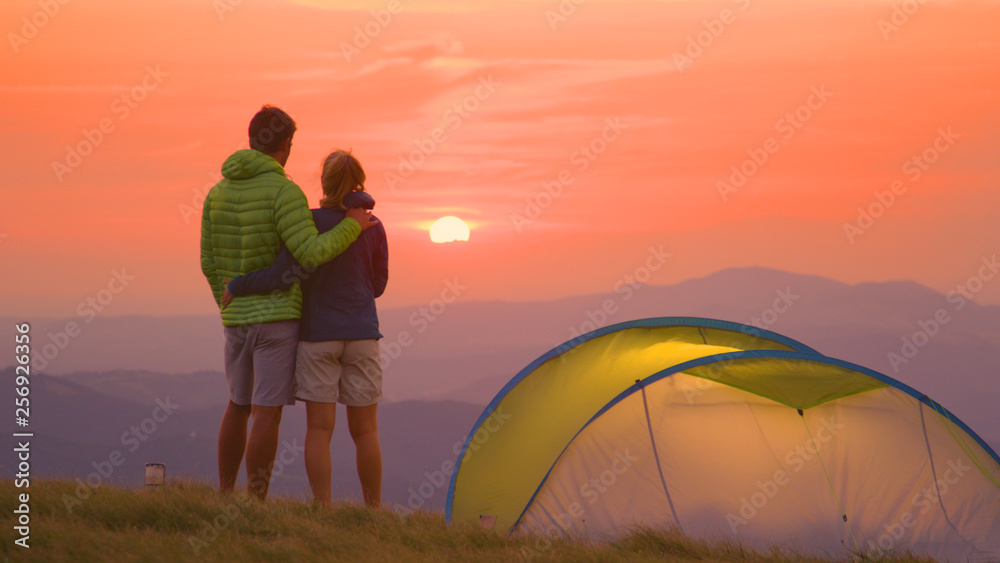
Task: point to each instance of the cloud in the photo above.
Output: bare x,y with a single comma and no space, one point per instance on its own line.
300,74
429,6
445,43
379,65
66,89
176,149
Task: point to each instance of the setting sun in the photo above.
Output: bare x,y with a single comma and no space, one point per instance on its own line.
449,229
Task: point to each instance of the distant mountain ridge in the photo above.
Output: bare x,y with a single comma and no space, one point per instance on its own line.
466,351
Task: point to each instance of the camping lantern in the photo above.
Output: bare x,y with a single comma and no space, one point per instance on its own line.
156,474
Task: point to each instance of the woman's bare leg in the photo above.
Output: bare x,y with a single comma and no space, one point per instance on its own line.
363,424
320,419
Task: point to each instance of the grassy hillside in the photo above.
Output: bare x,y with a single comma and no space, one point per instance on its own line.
189,521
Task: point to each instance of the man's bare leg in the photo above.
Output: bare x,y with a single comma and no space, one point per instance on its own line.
363,424
232,444
262,446
320,419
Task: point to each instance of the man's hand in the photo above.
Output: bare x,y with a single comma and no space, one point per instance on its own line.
227,297
363,217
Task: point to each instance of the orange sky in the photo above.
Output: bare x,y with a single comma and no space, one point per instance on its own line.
536,88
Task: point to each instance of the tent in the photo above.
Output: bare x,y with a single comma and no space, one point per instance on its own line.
726,431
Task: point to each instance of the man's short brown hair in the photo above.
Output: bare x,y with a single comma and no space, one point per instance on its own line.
270,128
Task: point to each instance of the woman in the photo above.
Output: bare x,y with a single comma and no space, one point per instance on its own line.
338,353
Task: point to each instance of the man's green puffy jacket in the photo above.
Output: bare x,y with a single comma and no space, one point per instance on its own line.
246,217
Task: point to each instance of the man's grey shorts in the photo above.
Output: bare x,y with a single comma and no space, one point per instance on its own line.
260,363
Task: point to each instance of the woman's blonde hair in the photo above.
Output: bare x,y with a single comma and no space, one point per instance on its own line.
342,174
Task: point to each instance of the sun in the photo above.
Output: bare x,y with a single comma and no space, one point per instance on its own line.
449,229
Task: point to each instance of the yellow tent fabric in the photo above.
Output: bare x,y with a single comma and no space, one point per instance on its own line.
726,431
518,441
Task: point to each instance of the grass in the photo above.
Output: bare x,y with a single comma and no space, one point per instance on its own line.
191,521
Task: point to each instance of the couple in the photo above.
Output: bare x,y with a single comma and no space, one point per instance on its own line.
258,238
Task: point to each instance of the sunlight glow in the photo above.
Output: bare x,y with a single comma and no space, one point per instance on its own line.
449,229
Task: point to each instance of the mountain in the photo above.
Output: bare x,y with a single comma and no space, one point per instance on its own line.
945,346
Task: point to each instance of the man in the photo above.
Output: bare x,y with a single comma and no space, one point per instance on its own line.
246,217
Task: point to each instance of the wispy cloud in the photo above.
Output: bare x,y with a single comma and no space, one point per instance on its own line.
300,74
432,6
380,65
445,43
176,149
65,89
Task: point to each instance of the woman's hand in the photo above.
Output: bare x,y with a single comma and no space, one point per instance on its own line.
362,216
227,297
